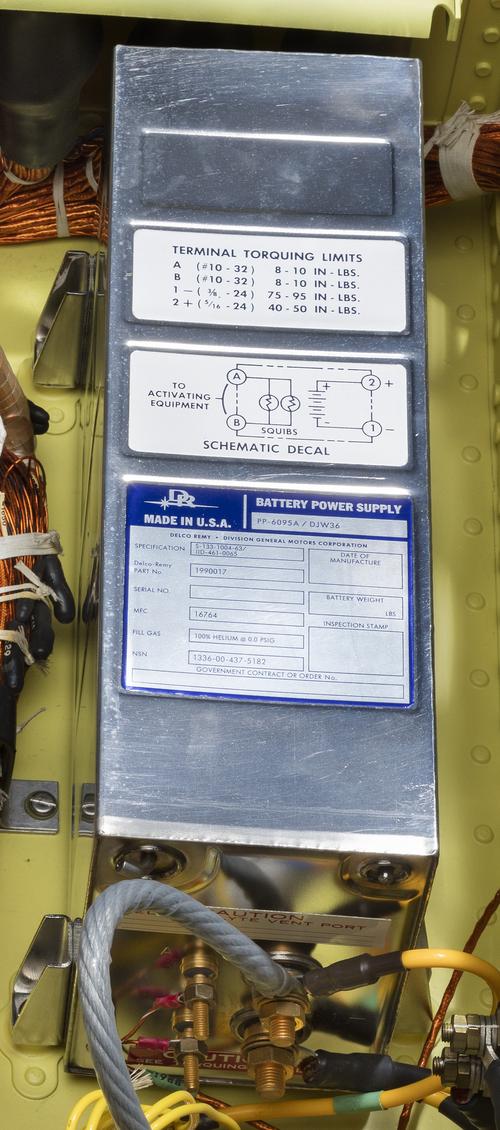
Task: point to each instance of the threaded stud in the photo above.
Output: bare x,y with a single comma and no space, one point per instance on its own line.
201,1020
447,1031
438,1065
282,1031
191,1069
270,1080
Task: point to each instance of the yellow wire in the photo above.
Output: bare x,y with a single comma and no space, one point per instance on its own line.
289,1108
412,1093
455,959
99,1110
80,1107
173,1115
436,1099
316,1108
168,1101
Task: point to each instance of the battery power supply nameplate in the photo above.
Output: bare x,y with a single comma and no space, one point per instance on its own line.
281,408
265,594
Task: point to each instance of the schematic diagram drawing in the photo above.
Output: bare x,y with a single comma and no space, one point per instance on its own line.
317,401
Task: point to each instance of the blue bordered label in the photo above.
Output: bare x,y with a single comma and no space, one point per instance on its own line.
268,594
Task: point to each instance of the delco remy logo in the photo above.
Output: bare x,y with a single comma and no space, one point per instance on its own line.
175,497
179,498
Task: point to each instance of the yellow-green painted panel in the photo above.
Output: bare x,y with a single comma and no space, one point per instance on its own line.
368,17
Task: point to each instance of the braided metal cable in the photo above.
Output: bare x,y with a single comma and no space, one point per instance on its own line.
94,980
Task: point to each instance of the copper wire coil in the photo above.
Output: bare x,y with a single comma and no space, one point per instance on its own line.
485,165
28,212
24,510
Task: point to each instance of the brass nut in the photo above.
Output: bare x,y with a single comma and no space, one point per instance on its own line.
200,992
183,1019
266,1053
282,1018
199,961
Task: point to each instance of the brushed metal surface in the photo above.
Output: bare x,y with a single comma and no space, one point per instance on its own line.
296,777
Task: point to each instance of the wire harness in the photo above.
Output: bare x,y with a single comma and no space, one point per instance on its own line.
94,978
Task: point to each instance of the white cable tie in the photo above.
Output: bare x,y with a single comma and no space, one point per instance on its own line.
456,140
30,545
89,173
58,197
17,636
7,172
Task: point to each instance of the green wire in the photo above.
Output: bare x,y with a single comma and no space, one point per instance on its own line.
348,1104
166,1082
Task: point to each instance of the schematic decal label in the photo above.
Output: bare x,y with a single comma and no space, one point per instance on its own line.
285,409
293,281
270,594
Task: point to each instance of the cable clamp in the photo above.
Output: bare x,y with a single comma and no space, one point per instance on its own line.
456,140
30,545
18,637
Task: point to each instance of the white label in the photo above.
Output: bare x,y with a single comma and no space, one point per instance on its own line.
329,929
251,593
289,410
299,281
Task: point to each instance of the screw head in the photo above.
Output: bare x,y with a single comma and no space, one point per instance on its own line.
385,872
87,810
41,805
147,861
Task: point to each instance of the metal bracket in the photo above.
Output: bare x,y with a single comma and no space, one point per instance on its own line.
62,338
40,993
32,806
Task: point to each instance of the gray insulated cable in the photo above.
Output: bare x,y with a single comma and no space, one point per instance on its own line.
94,979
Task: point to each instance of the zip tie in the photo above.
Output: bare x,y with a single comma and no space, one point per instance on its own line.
30,545
17,636
456,140
89,173
58,197
19,180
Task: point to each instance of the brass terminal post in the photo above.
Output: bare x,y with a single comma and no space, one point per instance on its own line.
188,1051
271,1067
199,968
282,1018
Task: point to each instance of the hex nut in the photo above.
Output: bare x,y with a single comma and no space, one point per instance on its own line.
266,1053
202,992
286,1007
459,1039
187,1045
